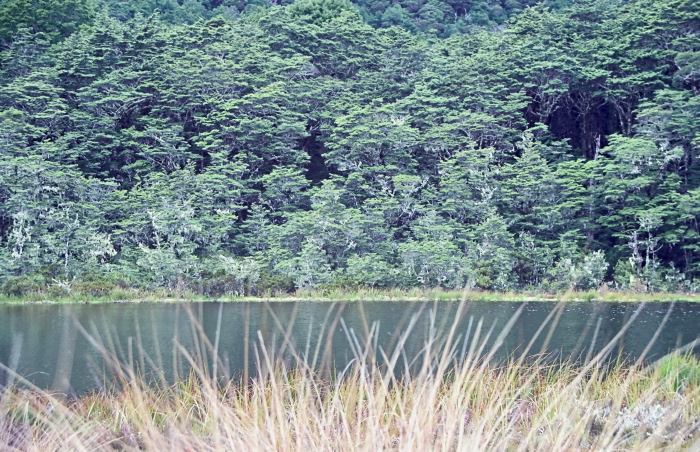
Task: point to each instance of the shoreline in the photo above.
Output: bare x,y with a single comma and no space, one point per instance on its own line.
414,295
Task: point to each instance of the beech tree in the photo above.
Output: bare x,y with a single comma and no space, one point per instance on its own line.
239,146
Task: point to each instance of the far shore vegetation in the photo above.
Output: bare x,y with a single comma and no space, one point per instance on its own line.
218,149
367,294
94,287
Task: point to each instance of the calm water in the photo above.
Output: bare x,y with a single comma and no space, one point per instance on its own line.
62,347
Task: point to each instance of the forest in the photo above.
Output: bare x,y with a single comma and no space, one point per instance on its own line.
225,146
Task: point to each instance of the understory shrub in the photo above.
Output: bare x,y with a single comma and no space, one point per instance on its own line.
19,286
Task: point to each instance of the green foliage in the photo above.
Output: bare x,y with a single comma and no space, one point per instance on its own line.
224,147
269,283
591,271
494,256
98,284
176,11
57,19
319,12
370,270
22,285
680,372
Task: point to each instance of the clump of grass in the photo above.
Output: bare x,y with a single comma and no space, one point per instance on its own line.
473,407
679,372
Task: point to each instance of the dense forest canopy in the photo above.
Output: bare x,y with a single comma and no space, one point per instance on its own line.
226,145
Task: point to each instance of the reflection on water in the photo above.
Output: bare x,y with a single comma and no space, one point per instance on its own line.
70,347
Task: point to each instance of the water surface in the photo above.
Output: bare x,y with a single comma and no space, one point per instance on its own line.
63,346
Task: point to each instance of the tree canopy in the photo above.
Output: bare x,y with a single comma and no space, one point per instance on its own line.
498,145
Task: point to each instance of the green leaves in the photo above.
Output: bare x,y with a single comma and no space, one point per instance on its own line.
50,215
320,12
57,19
302,145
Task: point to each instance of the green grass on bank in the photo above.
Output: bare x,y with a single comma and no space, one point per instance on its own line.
355,294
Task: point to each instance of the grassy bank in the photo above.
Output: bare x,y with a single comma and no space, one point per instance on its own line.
335,294
472,407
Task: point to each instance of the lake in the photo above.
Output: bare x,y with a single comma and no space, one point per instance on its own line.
70,348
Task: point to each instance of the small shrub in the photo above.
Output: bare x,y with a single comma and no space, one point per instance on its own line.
98,284
218,284
591,271
674,280
58,291
94,288
338,285
275,283
19,286
484,277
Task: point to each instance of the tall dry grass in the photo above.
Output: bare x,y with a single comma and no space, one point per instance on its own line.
450,397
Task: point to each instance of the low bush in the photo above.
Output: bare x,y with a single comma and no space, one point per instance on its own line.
272,283
24,285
